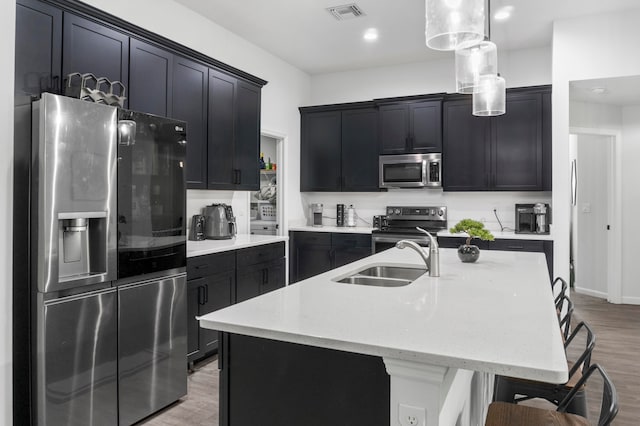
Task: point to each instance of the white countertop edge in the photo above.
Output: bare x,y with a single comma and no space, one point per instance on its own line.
559,376
335,229
204,247
505,235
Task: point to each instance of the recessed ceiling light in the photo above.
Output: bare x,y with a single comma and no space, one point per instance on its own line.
503,13
598,90
371,34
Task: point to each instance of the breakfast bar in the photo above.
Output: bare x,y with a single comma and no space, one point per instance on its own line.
441,339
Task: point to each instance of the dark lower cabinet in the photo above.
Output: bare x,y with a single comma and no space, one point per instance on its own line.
89,47
219,280
312,253
271,383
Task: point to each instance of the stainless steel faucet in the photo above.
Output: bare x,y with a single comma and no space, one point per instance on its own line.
432,258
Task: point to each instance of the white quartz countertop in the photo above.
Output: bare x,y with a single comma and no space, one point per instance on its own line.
505,235
201,248
324,228
495,316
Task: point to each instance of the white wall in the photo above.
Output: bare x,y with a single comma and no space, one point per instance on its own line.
288,87
7,43
589,47
528,67
630,203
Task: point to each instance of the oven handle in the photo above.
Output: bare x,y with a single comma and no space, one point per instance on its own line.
377,239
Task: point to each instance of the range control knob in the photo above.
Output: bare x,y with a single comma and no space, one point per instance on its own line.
440,212
397,211
389,211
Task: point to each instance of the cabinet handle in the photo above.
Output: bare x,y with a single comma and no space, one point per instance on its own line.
206,294
201,295
239,176
204,266
516,247
264,276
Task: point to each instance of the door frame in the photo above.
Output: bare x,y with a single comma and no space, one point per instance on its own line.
614,239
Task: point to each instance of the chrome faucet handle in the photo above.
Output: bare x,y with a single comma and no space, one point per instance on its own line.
434,253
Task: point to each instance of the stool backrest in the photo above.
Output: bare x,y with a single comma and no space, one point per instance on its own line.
564,320
581,333
609,405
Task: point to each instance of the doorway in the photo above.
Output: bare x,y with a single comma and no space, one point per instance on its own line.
591,156
266,205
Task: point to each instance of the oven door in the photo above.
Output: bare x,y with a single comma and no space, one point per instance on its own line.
151,194
381,242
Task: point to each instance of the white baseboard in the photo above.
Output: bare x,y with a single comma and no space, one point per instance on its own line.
592,293
630,300
627,300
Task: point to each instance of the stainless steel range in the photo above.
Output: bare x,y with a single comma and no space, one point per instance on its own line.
400,224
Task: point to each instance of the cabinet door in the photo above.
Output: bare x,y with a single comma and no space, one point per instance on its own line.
360,150
320,151
248,282
466,148
348,248
247,137
425,122
89,47
274,276
517,144
546,142
38,50
222,97
151,79
190,104
309,254
394,129
218,291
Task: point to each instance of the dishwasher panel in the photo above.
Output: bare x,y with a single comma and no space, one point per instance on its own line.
152,333
76,361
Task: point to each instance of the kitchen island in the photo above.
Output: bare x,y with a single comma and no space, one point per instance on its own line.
441,339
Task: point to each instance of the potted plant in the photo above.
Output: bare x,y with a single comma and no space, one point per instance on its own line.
474,229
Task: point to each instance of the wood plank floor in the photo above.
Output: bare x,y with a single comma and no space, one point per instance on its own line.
617,329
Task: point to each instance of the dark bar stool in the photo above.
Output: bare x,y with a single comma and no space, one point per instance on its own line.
507,389
507,414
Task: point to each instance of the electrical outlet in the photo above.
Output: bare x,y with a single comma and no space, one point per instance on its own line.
411,416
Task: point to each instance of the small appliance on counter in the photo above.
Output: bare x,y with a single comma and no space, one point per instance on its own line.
315,214
219,223
196,232
379,222
339,214
351,216
533,218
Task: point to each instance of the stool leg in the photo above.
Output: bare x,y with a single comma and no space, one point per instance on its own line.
578,405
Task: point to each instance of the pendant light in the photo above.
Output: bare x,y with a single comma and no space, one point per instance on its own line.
452,23
474,61
489,98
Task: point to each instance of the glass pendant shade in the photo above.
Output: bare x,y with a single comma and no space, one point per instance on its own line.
489,98
453,23
474,61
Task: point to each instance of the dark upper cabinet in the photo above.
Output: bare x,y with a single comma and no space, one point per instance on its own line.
234,133
339,149
411,127
247,140
38,50
151,79
511,152
360,150
517,144
89,47
190,86
320,151
466,153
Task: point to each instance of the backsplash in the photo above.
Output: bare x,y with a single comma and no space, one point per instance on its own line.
460,205
197,199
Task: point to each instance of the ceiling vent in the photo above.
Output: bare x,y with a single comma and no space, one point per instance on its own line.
346,11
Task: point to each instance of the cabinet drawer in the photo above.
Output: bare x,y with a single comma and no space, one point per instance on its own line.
536,246
303,237
201,266
265,253
351,240
455,242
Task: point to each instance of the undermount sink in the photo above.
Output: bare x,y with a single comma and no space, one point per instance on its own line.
384,276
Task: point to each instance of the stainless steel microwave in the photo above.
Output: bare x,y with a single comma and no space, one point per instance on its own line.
411,171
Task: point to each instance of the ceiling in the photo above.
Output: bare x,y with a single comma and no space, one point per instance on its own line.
622,91
304,34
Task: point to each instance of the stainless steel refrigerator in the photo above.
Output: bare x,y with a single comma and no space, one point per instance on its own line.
107,255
